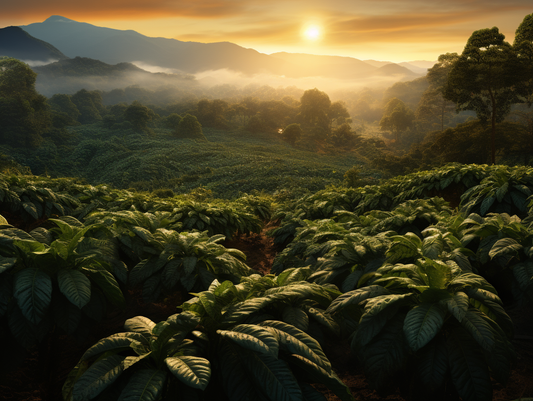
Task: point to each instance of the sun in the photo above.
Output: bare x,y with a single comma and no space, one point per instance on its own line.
312,32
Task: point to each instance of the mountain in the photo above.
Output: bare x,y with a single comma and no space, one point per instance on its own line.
116,46
71,75
15,42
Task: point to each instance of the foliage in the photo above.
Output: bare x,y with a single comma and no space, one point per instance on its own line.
24,113
60,277
483,77
221,341
445,323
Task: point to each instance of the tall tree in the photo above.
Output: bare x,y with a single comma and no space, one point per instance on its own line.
139,116
397,118
483,79
24,113
523,46
433,106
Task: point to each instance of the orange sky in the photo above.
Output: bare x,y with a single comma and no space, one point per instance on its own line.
394,30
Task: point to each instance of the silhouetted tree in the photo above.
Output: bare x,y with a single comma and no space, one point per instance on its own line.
483,79
24,113
292,133
189,127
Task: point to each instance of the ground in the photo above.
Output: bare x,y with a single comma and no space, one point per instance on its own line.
26,381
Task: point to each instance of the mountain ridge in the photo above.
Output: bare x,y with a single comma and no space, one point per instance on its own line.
114,46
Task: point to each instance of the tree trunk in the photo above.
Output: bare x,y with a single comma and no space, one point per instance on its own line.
493,128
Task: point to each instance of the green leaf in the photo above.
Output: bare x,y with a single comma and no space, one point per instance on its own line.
432,364
115,342
385,355
474,321
33,292
486,204
355,297
457,305
505,246
107,283
6,263
468,368
140,324
144,385
295,316
193,371
273,376
377,313
75,286
422,324
97,378
254,341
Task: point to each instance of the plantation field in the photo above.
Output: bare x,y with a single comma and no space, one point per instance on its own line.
420,287
228,163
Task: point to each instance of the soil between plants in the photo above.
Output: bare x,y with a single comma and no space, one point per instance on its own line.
22,379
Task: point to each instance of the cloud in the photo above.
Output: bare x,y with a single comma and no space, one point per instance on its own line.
396,28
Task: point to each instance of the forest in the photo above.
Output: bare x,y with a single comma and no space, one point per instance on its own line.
233,243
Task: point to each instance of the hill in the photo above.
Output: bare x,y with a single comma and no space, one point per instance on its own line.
71,75
16,43
115,46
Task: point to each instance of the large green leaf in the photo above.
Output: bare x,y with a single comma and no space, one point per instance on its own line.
457,305
422,323
468,368
295,341
316,374
254,341
505,246
115,342
144,385
480,329
193,371
33,292
386,354
107,283
377,313
273,376
236,378
432,364
140,324
97,378
355,297
296,316
75,286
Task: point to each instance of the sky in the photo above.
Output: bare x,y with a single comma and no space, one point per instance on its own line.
392,30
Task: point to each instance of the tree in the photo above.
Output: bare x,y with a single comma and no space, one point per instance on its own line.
314,108
89,105
189,127
139,116
483,79
292,133
24,113
523,46
397,118
433,106
63,104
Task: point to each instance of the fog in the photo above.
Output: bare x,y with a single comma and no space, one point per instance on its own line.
221,84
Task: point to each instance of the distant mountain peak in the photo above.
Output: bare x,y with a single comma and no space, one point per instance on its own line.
58,18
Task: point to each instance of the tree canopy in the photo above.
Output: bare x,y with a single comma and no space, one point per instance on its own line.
483,79
24,113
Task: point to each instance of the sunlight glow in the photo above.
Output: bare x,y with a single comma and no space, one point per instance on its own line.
312,32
